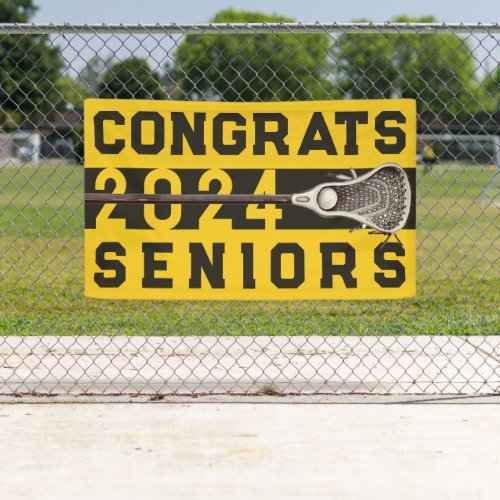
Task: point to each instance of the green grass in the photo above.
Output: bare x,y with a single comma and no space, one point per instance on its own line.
41,270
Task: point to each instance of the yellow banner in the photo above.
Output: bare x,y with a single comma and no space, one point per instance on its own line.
320,134
354,159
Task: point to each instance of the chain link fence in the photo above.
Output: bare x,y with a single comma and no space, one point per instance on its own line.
55,341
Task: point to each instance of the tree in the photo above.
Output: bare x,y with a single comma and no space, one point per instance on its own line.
71,93
253,67
131,79
437,70
16,11
491,86
365,66
29,67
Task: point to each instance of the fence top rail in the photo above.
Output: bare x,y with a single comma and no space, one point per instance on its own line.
246,28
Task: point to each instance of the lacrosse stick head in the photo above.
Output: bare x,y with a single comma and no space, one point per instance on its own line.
379,199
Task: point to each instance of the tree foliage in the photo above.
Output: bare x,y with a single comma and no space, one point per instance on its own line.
71,93
131,79
491,86
365,67
16,11
437,70
253,67
29,68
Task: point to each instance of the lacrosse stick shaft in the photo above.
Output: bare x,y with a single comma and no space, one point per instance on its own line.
188,199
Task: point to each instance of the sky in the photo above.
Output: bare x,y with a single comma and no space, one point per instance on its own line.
200,11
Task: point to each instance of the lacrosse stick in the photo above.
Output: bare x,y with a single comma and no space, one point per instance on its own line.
379,199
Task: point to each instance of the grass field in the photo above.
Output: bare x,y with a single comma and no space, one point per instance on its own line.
41,270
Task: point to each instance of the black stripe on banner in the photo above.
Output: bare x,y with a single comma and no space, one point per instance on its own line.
244,181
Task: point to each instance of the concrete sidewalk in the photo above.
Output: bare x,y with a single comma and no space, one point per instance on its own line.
334,451
220,365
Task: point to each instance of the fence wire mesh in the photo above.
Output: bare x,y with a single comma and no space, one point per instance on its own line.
55,341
